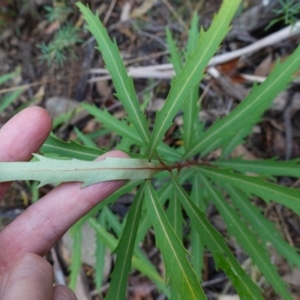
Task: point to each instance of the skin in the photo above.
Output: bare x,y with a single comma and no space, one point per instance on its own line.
24,274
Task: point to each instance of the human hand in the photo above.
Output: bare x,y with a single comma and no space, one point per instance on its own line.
24,274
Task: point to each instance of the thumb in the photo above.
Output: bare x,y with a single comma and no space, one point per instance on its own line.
30,278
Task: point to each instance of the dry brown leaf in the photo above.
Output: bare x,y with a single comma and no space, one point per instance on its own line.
54,26
104,89
264,68
241,150
293,278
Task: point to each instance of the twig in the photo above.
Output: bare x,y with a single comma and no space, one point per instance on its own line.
109,11
166,70
174,12
284,226
57,270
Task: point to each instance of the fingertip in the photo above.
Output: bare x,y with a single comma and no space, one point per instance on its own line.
40,115
31,277
31,124
62,292
113,153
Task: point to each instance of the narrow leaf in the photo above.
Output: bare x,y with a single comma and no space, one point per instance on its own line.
193,35
111,242
257,221
255,186
172,250
48,170
55,146
8,99
125,189
190,108
267,167
124,130
174,215
122,82
175,58
113,222
124,250
197,246
76,254
192,72
248,113
87,141
223,257
100,254
234,141
247,240
6,77
163,194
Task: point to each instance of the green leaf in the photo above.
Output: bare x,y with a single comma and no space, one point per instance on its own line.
87,141
192,72
114,64
48,170
163,194
190,108
247,240
100,254
193,35
248,113
223,257
175,256
6,77
120,127
255,186
196,245
64,118
234,141
125,189
113,222
111,242
175,58
76,254
268,167
124,250
174,215
55,146
257,221
124,130
8,99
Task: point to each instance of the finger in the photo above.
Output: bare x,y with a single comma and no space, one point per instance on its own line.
31,278
23,135
62,292
42,224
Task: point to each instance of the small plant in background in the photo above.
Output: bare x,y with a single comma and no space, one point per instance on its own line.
288,13
161,200
64,40
58,12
